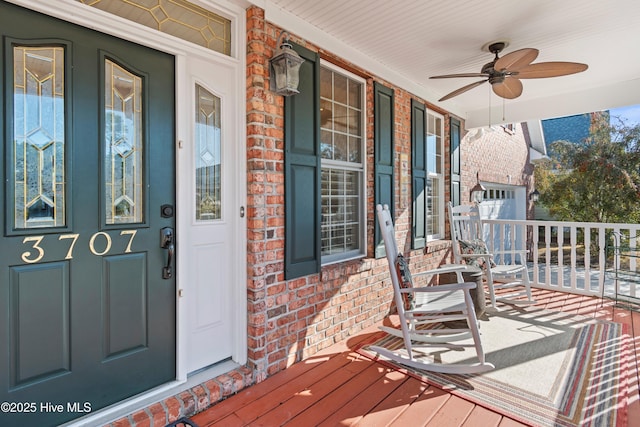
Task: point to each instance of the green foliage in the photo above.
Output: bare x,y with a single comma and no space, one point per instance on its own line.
597,180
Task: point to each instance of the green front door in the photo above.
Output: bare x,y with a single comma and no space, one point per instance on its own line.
87,303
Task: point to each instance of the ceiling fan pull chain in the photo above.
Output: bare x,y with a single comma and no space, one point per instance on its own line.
503,108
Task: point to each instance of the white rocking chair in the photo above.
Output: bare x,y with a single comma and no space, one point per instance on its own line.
429,306
469,246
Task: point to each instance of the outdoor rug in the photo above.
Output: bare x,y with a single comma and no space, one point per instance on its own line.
552,369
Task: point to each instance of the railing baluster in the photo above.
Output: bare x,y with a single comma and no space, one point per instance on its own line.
572,253
633,236
587,258
560,243
534,252
547,251
601,259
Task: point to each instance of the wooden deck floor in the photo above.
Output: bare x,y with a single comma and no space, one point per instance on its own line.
339,387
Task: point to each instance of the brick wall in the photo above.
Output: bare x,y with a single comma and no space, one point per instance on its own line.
291,320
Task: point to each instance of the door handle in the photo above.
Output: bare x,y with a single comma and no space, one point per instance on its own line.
167,242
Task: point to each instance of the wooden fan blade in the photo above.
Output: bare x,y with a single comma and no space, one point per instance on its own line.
515,60
450,76
549,69
509,88
462,90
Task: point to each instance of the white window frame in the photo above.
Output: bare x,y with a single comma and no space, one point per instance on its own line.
437,228
349,166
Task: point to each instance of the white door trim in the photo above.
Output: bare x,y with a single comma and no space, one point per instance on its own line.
78,13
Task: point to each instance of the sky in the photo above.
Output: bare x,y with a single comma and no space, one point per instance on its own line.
631,113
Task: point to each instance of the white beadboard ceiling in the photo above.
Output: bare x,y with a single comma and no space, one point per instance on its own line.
406,41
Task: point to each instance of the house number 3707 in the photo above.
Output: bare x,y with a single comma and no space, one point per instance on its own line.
99,244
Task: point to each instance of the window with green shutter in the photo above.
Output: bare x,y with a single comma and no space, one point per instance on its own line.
325,186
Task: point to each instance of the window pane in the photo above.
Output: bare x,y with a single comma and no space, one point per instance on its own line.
326,114
431,153
355,153
207,156
340,118
326,83
435,208
39,139
340,88
340,147
354,121
326,144
355,95
123,145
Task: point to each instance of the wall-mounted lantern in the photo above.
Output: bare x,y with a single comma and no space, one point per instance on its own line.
477,192
284,68
534,196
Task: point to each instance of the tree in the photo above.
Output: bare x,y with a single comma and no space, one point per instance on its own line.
596,180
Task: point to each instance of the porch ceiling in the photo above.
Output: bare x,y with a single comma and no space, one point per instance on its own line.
406,41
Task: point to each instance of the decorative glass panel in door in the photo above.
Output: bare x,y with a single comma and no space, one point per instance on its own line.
207,156
39,140
123,143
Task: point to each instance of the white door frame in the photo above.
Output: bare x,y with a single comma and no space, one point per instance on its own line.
78,13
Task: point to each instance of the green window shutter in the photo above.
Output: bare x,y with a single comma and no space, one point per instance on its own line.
454,132
418,175
302,171
384,160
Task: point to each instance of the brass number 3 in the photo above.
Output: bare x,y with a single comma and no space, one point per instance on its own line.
26,254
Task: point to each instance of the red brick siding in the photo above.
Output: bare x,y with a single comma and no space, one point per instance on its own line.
291,320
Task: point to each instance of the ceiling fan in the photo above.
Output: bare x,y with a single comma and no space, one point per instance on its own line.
505,73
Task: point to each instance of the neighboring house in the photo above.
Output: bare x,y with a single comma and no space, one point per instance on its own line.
176,232
571,128
502,160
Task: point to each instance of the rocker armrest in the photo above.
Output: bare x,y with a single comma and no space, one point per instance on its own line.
476,255
440,288
515,251
440,270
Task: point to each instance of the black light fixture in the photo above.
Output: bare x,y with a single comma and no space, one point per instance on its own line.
477,192
284,68
534,196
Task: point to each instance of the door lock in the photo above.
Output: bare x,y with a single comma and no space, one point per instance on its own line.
167,242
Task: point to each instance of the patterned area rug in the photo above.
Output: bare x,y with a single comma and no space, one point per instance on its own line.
552,369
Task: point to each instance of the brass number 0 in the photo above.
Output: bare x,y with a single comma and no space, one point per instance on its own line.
93,239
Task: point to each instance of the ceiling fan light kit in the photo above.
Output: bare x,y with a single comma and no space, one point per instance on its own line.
504,73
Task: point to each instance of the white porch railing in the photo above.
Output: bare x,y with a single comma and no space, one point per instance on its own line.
577,257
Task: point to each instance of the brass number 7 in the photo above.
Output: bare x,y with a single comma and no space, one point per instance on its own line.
75,239
132,233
